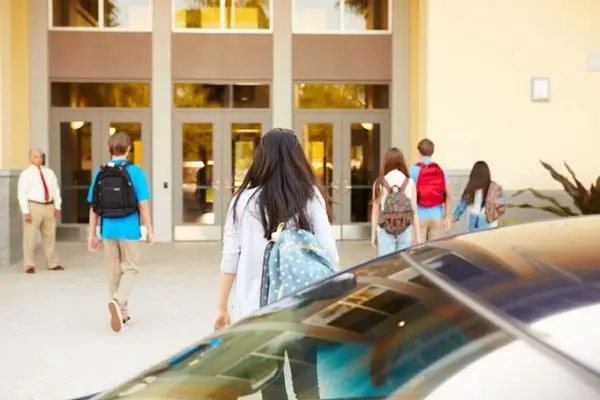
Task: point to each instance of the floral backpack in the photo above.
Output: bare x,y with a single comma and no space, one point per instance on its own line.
495,205
397,214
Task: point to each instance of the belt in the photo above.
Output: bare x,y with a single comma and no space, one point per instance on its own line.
41,202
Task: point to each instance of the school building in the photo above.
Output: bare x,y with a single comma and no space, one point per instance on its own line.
196,82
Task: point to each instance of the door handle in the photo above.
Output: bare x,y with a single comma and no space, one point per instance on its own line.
229,186
216,186
347,186
335,186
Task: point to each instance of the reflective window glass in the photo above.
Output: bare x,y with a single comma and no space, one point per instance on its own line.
341,15
75,170
222,14
317,15
123,14
365,15
97,94
197,14
245,138
347,340
128,14
317,141
361,96
199,95
251,96
197,173
134,131
80,13
365,147
248,14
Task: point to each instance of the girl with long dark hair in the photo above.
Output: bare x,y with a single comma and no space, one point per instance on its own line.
280,186
483,198
394,172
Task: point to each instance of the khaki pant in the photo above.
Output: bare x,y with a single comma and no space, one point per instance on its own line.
43,219
122,258
431,228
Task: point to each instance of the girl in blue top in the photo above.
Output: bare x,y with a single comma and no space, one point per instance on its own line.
480,194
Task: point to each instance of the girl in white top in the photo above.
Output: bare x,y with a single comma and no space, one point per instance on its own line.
394,172
280,186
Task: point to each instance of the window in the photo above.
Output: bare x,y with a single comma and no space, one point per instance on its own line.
340,95
339,16
128,15
222,15
100,94
353,341
203,95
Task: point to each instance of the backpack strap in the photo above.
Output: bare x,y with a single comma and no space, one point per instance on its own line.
404,184
386,185
123,165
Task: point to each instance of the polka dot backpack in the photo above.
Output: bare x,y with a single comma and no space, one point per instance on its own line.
294,259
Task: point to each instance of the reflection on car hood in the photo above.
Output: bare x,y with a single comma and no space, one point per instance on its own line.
529,272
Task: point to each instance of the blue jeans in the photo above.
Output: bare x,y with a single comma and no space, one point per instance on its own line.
387,244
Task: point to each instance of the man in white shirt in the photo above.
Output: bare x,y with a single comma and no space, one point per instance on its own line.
40,202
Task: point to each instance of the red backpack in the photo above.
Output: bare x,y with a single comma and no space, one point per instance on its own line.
431,185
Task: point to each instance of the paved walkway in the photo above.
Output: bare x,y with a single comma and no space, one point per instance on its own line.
55,339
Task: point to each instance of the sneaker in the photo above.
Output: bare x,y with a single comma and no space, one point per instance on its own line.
116,319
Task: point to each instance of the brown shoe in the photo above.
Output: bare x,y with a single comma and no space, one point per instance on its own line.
116,319
30,270
57,268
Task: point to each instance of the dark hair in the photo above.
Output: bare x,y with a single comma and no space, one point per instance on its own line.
119,144
286,179
480,178
393,159
426,148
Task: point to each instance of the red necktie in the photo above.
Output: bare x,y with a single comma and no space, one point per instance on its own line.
46,192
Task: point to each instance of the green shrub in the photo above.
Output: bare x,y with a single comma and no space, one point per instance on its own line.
586,201
508,222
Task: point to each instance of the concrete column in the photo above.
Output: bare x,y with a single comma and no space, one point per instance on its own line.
162,142
399,107
20,92
5,85
11,233
39,83
418,75
282,87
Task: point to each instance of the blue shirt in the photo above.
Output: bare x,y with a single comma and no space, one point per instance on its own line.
126,228
436,212
477,219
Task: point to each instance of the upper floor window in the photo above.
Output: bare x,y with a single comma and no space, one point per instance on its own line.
341,95
342,16
118,15
222,15
207,95
100,94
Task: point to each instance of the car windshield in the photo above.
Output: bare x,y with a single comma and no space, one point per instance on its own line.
369,334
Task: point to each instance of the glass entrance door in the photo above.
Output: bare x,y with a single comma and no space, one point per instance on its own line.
214,150
137,125
78,145
345,150
73,153
320,135
365,138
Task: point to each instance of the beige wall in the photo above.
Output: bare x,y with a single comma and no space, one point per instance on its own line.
14,83
481,56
